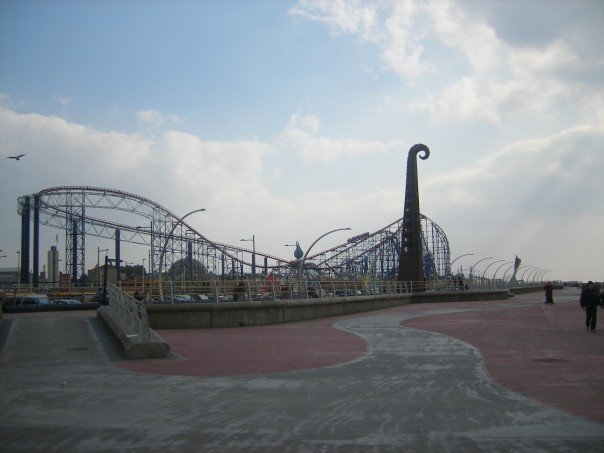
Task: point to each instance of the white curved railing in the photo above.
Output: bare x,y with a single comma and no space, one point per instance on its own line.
127,306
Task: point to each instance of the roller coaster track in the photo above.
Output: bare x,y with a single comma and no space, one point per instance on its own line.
67,208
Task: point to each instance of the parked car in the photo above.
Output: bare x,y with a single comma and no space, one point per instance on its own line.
201,298
65,302
181,299
34,299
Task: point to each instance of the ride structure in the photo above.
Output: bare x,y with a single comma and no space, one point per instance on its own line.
415,242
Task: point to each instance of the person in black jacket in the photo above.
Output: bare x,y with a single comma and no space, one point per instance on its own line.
549,293
590,299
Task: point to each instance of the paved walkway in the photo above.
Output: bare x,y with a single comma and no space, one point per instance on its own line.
503,376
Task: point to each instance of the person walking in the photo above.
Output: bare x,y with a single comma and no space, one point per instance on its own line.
590,299
549,293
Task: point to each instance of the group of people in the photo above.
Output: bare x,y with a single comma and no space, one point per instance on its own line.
590,299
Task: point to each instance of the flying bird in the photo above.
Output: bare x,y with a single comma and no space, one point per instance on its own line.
16,157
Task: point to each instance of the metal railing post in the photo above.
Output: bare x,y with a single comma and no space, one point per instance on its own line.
215,285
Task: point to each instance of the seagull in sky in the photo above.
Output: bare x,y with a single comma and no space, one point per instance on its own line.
16,157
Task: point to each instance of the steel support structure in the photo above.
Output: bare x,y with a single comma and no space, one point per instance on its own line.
85,211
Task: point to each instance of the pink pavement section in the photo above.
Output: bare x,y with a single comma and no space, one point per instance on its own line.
540,351
254,350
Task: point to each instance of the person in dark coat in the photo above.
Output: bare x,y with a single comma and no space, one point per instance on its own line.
590,299
549,293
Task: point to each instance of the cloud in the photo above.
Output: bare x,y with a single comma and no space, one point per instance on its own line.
488,79
526,177
52,140
536,197
156,118
340,16
300,135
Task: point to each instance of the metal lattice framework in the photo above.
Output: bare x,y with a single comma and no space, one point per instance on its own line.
377,254
75,210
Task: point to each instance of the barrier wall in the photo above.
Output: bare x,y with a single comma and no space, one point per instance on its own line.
239,314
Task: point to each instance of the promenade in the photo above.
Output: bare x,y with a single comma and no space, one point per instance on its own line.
502,376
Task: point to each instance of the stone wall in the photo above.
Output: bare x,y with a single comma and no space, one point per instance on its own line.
239,314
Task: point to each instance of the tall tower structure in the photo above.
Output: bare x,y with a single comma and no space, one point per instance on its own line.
53,265
410,260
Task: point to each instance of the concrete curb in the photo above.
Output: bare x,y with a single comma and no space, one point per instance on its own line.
130,338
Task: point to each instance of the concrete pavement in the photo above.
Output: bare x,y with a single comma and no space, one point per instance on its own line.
410,378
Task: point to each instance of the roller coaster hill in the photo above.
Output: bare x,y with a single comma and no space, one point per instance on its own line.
190,258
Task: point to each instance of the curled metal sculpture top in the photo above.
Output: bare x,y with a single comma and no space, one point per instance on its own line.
416,149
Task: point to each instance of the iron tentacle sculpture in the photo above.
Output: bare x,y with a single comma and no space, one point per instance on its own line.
410,262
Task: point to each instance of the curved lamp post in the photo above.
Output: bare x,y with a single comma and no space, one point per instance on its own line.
525,271
479,261
538,271
460,256
487,268
521,267
507,270
534,273
311,246
545,271
253,241
497,270
163,250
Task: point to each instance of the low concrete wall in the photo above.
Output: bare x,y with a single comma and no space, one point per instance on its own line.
132,344
239,314
531,289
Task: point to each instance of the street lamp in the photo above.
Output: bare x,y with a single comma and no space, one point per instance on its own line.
479,261
534,273
494,262
545,271
163,250
253,241
497,270
301,266
507,270
525,272
19,272
461,256
98,264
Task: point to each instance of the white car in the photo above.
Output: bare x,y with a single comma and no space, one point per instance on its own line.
65,302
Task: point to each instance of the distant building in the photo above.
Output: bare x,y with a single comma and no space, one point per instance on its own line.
96,275
53,265
9,274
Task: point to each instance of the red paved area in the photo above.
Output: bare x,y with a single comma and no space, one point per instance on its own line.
541,351
254,350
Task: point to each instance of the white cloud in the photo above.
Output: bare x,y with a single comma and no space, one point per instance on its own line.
526,166
340,16
497,79
300,136
53,140
476,40
156,118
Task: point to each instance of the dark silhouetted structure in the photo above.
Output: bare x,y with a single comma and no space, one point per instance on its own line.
410,263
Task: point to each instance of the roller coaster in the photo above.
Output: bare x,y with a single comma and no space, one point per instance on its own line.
81,211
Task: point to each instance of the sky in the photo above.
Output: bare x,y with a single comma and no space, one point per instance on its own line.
287,119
